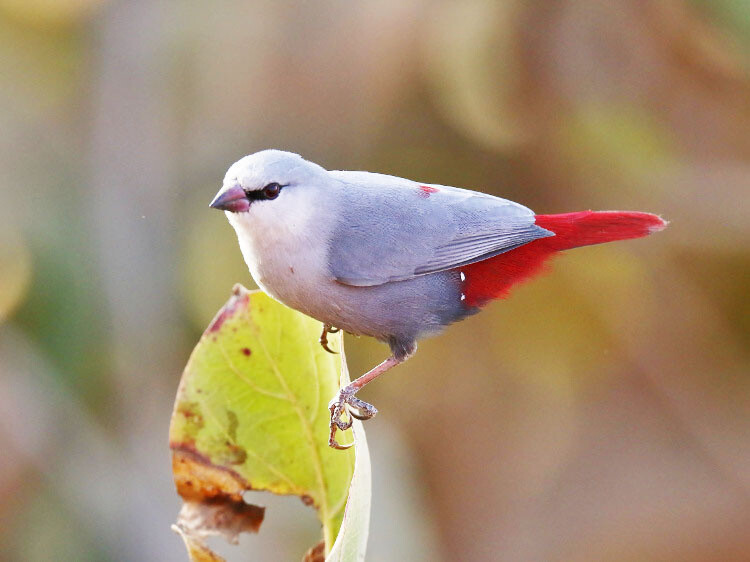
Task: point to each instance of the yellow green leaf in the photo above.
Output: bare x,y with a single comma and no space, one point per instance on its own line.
251,413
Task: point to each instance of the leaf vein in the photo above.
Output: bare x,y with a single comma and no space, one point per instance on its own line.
323,493
246,380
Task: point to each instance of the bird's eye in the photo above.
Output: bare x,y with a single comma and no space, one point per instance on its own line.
271,191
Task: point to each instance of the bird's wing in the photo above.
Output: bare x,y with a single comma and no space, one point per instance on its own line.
391,229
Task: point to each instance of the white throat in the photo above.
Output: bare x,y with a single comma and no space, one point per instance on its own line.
285,245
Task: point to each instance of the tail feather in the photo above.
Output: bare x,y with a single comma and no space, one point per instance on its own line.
493,278
595,227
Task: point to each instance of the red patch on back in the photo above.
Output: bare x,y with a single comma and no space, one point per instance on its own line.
493,278
427,190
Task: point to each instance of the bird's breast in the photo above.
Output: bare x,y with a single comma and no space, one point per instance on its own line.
288,265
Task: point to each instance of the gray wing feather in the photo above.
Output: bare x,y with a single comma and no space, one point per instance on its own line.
389,230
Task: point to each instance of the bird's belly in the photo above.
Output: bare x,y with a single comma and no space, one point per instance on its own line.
404,309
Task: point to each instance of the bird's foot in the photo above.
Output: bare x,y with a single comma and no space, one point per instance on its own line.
327,329
360,409
346,403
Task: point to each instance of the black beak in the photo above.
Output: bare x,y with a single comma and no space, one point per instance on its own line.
233,200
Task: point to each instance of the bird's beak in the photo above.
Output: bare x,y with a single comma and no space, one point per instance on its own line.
232,199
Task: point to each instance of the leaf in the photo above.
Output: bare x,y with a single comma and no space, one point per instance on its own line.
251,413
198,551
351,541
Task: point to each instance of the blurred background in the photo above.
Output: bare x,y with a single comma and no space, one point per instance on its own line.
603,413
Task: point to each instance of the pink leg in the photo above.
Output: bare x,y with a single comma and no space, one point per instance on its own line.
346,401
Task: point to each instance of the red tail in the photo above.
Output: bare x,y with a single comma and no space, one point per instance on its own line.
493,278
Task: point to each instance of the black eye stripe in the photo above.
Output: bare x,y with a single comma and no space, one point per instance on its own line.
270,191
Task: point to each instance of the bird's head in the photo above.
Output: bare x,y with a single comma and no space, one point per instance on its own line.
266,187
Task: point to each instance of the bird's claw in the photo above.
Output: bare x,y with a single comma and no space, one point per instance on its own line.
346,403
360,409
324,343
327,329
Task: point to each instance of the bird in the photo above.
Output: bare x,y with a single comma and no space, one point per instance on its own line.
388,257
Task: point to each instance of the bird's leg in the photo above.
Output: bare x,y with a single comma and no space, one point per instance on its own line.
345,401
327,329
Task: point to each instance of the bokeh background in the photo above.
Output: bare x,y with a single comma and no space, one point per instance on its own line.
603,413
